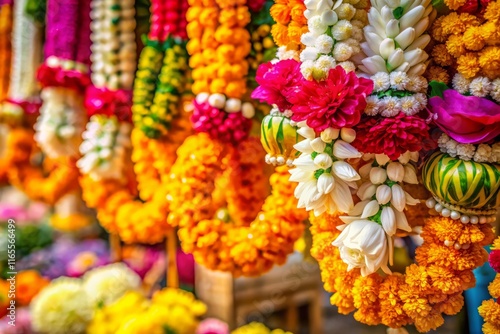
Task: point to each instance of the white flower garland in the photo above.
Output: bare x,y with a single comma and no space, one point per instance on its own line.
113,43
104,147
478,153
334,36
479,86
61,122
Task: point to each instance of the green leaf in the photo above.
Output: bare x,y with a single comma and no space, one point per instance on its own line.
437,88
398,13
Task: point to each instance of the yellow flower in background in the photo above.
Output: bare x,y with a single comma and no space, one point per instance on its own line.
257,328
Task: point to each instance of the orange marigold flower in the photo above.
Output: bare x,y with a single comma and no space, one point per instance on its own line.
490,328
294,32
441,55
490,311
417,277
437,73
280,34
297,14
455,46
429,322
494,287
281,13
28,285
452,25
489,60
468,65
444,279
492,12
473,39
437,30
368,315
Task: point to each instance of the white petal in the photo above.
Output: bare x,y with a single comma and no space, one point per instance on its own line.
402,222
318,145
378,175
383,194
365,170
343,150
398,197
342,196
326,183
307,132
366,191
300,175
370,209
304,146
410,200
388,219
382,159
395,171
410,175
345,171
305,162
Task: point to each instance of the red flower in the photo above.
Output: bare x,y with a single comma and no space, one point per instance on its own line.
392,135
277,81
103,101
495,260
59,77
336,102
256,5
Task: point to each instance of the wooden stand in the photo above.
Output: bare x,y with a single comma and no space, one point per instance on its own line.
241,300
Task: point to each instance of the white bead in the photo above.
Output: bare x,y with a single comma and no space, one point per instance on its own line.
247,110
455,215
464,219
430,203
474,220
448,243
289,162
445,212
233,105
273,160
482,220
280,160
217,100
457,246
438,207
202,98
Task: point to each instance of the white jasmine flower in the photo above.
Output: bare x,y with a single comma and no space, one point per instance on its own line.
304,146
372,105
307,68
417,84
480,87
342,51
378,175
316,25
388,220
495,90
318,145
381,82
329,134
460,83
348,135
398,199
371,209
399,80
343,150
309,53
329,17
382,159
323,161
483,153
395,171
325,63
410,175
390,106
366,191
324,44
326,183
345,11
342,30
308,39
383,194
364,171
466,151
348,66
363,244
345,171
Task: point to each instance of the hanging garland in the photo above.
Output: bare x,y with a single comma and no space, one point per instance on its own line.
5,47
109,183
490,309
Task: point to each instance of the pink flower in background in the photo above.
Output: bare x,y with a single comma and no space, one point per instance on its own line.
277,82
212,326
336,102
467,119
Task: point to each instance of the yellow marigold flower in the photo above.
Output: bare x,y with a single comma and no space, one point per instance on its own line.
455,46
427,323
297,14
490,311
454,4
489,328
492,12
437,73
473,39
469,20
491,33
489,60
437,30
494,287
468,65
280,34
452,25
280,13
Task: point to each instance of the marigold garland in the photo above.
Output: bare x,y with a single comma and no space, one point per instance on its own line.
490,309
290,23
5,48
427,290
249,249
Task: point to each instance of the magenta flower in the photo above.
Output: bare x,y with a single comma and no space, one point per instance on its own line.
212,326
467,119
277,82
336,102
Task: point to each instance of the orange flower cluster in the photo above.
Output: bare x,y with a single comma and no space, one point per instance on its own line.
118,210
48,183
5,48
490,309
428,289
468,44
290,23
218,45
28,284
249,249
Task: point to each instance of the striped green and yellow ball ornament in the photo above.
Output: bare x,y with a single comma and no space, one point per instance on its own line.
467,184
278,136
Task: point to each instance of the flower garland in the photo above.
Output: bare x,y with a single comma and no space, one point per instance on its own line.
107,185
467,41
490,309
290,26
64,76
249,249
428,289
5,47
218,46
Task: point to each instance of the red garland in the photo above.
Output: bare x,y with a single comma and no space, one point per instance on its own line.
59,77
494,260
103,101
